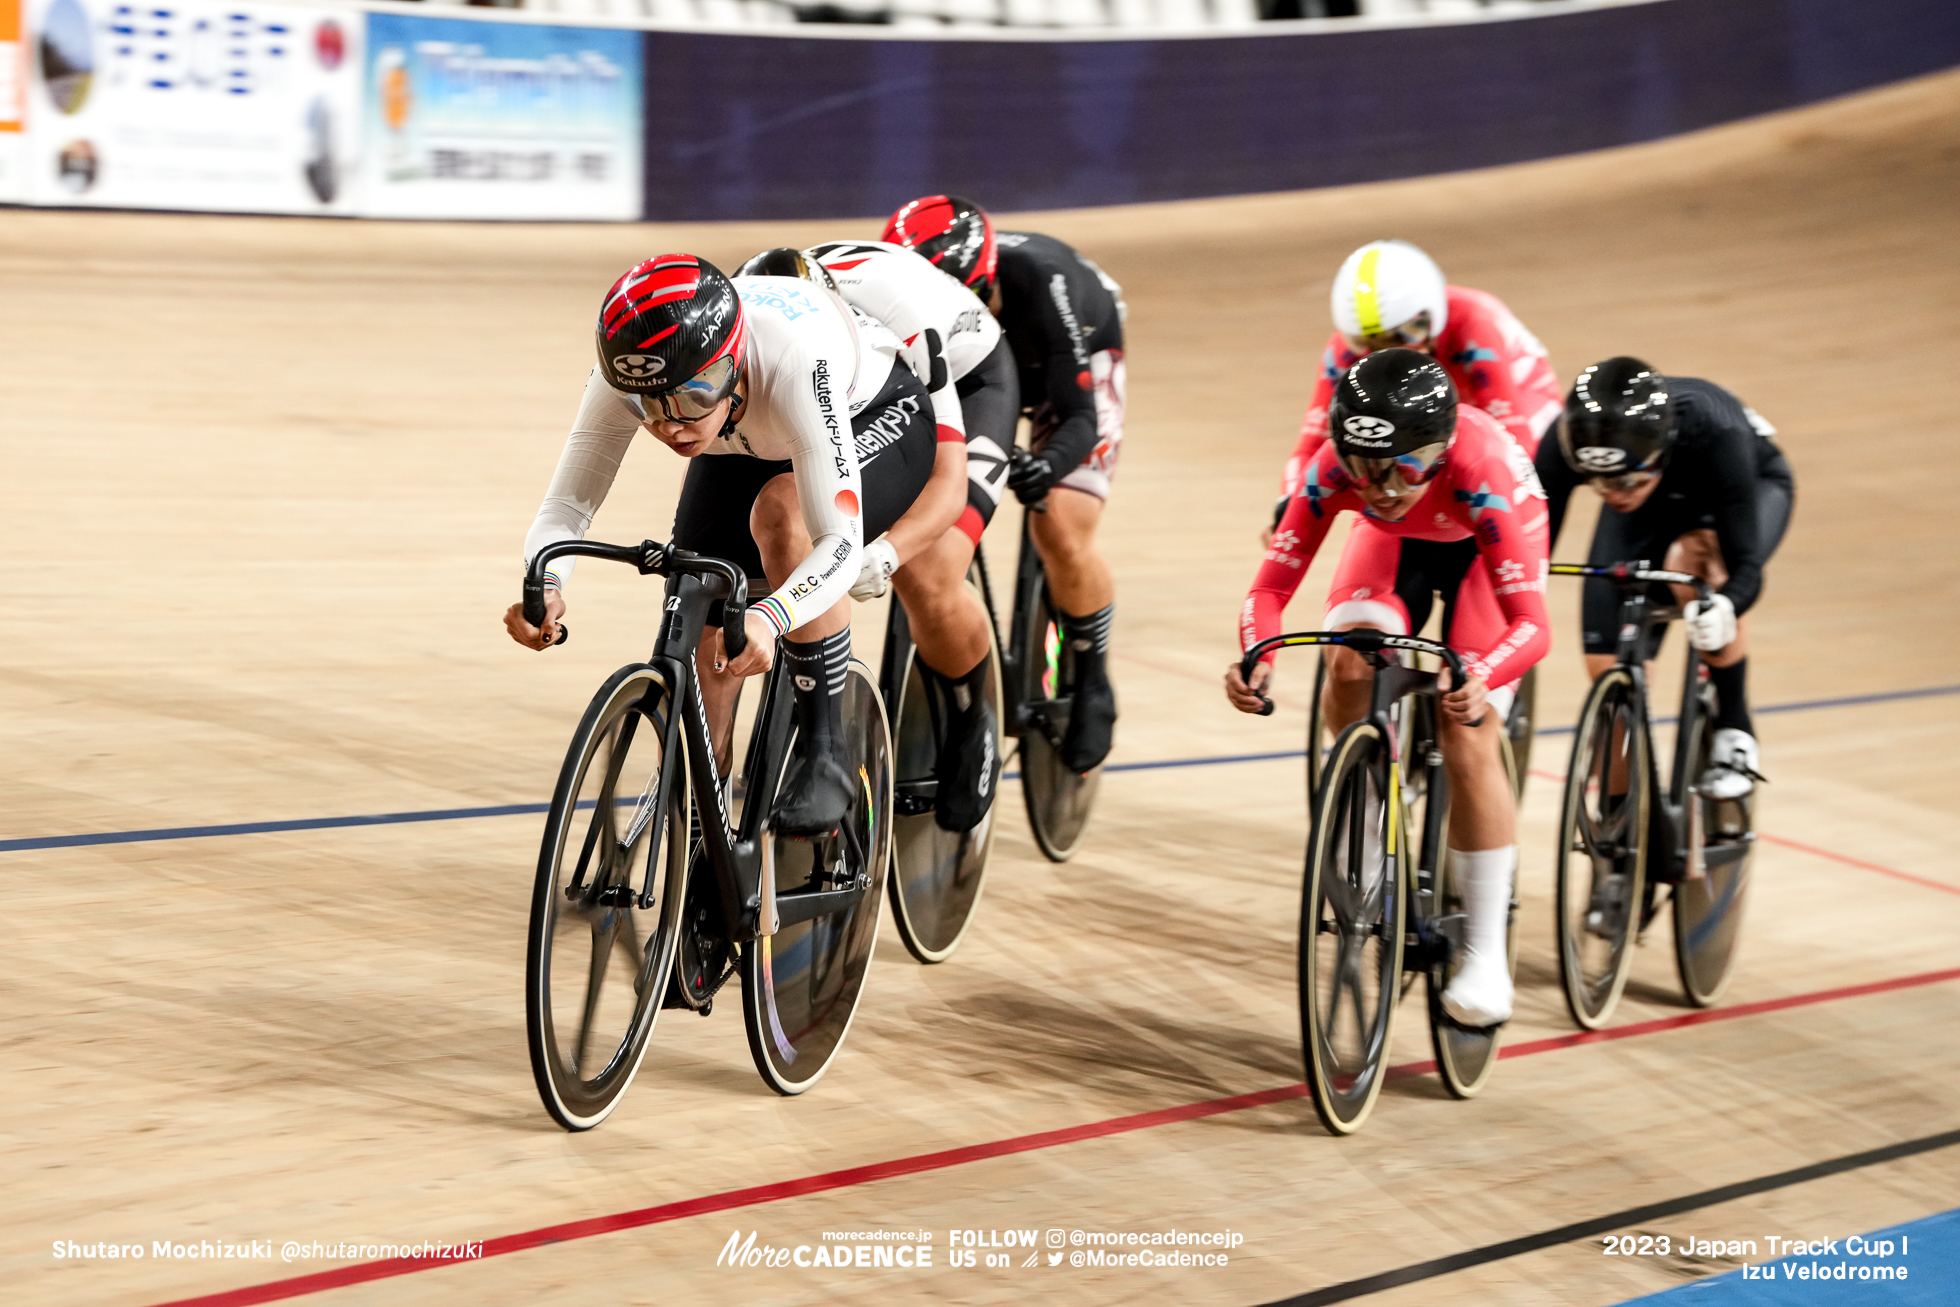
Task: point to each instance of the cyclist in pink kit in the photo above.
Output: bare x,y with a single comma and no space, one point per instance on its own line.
1446,505
1389,294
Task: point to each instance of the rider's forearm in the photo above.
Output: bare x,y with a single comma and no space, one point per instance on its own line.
599,439
938,506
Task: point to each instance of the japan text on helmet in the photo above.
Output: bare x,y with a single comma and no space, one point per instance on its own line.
786,262
953,234
1392,417
1618,422
671,332
1388,294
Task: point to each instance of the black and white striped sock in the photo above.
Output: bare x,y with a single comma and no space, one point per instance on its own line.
817,670
1088,639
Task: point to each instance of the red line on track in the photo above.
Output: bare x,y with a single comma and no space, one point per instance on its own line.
363,1272
1816,852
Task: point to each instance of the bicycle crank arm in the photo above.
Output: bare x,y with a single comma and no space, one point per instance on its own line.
915,798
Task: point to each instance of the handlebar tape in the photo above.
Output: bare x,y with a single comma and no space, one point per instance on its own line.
534,602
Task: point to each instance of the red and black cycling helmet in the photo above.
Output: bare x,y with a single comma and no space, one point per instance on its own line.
955,235
1392,418
671,332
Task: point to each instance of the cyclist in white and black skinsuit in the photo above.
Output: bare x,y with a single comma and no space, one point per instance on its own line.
953,345
1690,480
805,435
1063,318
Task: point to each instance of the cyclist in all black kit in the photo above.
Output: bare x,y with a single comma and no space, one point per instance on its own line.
1063,318
1689,475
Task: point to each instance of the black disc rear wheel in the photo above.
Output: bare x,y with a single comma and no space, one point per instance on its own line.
801,986
937,874
1708,911
1059,800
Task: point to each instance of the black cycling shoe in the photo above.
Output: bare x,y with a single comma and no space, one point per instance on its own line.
968,770
1091,727
817,792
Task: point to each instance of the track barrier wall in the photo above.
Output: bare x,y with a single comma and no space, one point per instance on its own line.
394,110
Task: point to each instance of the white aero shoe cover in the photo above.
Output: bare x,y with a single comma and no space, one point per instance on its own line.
1480,994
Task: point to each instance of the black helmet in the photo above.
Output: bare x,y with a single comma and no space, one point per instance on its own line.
1393,412
1617,420
953,234
786,262
671,331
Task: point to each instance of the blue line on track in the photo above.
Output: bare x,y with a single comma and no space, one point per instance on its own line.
522,809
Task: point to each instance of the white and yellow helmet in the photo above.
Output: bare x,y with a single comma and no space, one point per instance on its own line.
1390,293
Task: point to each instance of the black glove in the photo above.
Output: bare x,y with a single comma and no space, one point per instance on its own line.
1279,510
1031,477
937,381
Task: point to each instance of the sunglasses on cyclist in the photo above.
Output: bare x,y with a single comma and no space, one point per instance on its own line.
1398,474
1413,334
694,398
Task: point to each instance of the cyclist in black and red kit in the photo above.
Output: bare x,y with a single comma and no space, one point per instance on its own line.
1690,479
1063,318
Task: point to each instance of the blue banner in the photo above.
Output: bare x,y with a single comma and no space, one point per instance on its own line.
487,119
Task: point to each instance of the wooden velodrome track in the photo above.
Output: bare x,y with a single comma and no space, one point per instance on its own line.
267,485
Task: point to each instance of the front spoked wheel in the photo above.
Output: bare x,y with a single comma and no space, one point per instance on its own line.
1058,800
1317,740
1353,915
1601,859
801,986
605,912
936,874
1708,911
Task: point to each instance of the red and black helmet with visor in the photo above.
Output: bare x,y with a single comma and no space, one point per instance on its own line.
955,235
671,333
1392,418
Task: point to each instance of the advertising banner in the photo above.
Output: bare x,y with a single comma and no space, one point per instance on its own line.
501,120
235,107
13,70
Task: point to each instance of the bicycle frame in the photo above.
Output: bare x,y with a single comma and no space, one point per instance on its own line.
1390,684
1677,811
742,857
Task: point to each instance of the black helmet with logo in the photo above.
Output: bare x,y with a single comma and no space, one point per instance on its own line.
671,332
784,261
1618,421
1393,414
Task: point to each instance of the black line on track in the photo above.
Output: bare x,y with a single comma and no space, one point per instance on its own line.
1532,1243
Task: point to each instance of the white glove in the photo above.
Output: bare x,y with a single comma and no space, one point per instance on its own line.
875,577
1711,623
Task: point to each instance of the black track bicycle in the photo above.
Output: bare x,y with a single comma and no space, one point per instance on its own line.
938,875
1626,846
1520,727
1379,907
656,884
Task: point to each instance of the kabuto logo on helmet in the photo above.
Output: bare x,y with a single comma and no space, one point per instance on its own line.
1601,458
1364,430
640,367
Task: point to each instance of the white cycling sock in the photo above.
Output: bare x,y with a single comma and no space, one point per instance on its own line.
1483,878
